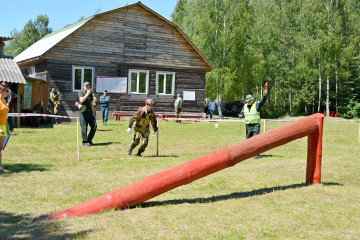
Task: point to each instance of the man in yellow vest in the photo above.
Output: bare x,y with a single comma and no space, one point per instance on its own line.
251,113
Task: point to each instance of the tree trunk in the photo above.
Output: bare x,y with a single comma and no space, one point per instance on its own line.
319,104
290,105
218,103
336,84
327,95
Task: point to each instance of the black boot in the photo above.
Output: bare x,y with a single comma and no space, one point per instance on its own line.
130,150
138,154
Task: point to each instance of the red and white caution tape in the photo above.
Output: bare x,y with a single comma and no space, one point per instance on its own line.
203,120
36,115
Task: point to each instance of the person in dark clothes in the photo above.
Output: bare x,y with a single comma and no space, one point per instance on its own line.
87,116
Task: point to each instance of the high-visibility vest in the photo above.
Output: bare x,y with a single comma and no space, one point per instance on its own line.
252,116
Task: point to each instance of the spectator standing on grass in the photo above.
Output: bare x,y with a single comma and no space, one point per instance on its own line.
141,121
104,101
178,107
212,108
55,101
251,112
87,116
4,110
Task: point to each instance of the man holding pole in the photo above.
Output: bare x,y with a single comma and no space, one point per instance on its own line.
251,112
87,116
141,121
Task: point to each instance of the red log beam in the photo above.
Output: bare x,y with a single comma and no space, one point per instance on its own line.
190,171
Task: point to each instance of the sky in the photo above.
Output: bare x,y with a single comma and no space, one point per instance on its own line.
16,13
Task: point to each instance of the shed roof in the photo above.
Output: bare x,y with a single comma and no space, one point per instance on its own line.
46,43
10,71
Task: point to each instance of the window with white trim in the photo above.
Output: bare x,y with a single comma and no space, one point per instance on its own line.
138,81
81,75
32,71
165,82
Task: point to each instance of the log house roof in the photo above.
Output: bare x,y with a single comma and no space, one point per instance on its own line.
35,51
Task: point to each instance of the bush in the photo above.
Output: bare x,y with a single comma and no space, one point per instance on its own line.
352,110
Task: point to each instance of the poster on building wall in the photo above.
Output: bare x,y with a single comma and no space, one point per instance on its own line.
189,95
27,95
112,84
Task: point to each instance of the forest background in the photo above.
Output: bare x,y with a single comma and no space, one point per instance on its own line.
308,51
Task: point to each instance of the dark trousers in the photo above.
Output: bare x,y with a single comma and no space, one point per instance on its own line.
252,130
87,118
11,121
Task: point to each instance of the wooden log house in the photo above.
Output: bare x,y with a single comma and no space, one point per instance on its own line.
132,51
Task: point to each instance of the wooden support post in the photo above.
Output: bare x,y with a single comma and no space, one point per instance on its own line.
314,154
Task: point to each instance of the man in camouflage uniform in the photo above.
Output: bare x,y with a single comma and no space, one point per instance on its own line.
55,99
141,121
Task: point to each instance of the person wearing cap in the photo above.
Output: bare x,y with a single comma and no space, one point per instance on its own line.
104,101
87,116
55,100
251,113
178,106
141,122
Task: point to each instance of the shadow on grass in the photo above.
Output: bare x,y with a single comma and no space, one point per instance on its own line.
20,167
235,195
104,130
161,156
23,226
268,155
105,143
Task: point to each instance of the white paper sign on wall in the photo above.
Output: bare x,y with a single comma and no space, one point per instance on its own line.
189,95
112,84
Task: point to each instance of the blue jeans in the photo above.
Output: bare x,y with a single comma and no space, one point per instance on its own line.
105,113
211,113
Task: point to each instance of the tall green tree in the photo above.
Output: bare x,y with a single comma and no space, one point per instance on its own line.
31,33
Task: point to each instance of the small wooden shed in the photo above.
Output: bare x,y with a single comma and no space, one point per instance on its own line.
131,51
29,91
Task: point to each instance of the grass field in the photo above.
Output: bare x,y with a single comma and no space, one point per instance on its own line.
262,198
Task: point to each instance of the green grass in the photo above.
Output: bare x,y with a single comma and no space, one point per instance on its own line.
262,198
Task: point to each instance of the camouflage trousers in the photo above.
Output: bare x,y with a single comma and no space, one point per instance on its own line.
178,114
136,140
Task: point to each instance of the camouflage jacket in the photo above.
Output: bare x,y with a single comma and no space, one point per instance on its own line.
141,120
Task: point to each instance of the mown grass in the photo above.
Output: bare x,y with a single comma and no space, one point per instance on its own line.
262,198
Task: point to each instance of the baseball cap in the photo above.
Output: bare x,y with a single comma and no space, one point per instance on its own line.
178,94
105,90
86,83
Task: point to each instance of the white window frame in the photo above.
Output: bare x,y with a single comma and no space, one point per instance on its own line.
82,77
32,71
137,81
172,83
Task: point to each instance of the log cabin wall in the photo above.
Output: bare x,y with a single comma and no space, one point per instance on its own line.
59,76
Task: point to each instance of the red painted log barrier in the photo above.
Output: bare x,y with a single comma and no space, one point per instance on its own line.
187,172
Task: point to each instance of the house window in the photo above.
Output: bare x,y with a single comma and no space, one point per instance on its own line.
81,75
165,82
139,81
32,71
